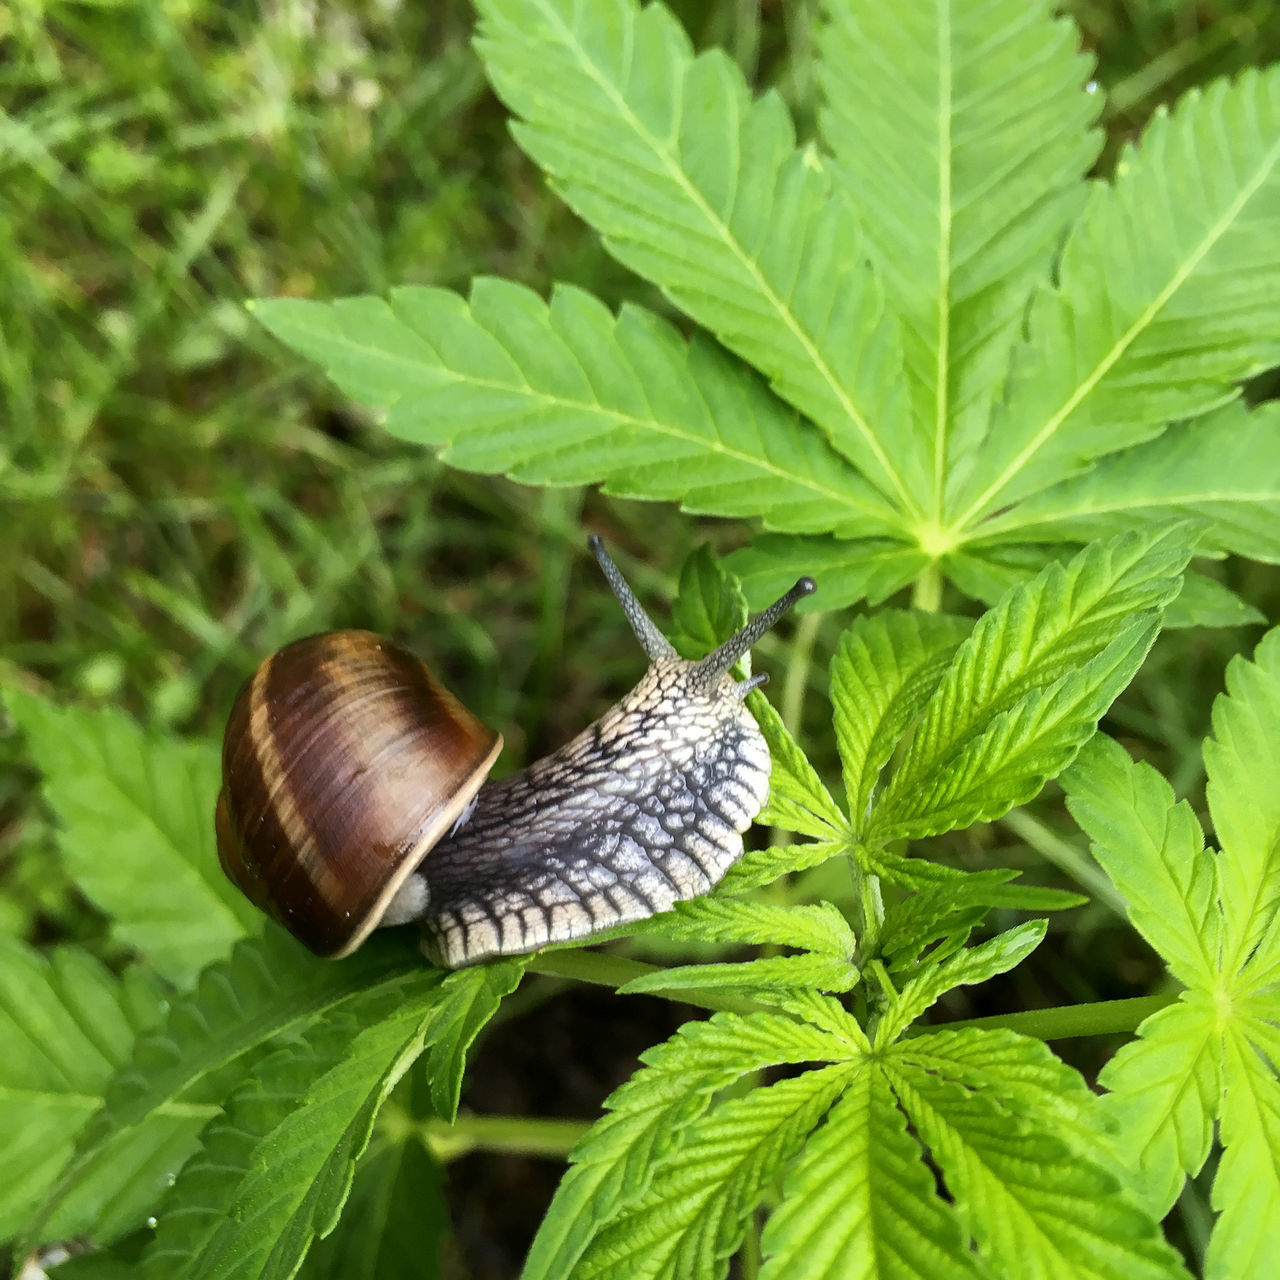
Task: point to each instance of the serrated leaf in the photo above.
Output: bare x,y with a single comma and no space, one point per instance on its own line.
885,669
614,1163
567,393
967,968
1153,851
1027,687
846,572
1246,1191
467,999
1035,1200
275,1173
1222,470
818,928
1164,1092
135,810
66,1025
965,184
759,867
1165,297
708,608
1242,759
798,799
268,987
704,192
693,1215
859,1203
816,972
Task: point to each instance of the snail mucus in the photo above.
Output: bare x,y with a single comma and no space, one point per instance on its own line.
355,796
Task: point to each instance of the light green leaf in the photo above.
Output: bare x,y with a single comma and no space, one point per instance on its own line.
693,1215
704,192
817,972
966,968
66,1025
268,987
1242,760
798,799
136,812
870,569
1153,851
885,669
1040,1204
614,1163
759,867
1164,1093
859,1202
963,155
820,928
1168,294
1222,470
467,999
275,1173
1246,1191
1027,687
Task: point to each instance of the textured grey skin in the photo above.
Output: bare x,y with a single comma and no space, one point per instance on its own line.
643,809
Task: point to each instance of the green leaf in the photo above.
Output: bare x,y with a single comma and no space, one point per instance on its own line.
614,1164
1242,760
394,1223
567,393
1153,851
816,972
693,1215
1222,470
702,191
859,1202
1246,1191
869,569
798,799
1027,1182
820,928
1166,298
759,867
967,968
962,154
1027,687
885,669
269,987
1164,1093
708,608
136,811
66,1025
467,999
275,1172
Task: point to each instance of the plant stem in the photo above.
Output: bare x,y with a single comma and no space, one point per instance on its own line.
800,659
515,1135
926,593
1101,1018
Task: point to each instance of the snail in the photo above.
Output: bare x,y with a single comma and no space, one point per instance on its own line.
355,796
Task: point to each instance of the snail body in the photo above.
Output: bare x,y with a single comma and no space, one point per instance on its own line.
355,795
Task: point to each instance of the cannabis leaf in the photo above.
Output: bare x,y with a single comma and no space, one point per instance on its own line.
955,353
1210,1058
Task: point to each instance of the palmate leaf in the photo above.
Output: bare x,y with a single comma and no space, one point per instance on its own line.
1029,1185
1168,294
1027,687
567,393
1222,470
135,812
859,1202
67,1025
961,133
704,192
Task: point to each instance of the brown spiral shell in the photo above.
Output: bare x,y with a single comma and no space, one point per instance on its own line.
344,762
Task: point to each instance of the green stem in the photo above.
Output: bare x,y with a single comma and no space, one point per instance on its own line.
926,594
1101,1018
796,681
515,1135
1066,857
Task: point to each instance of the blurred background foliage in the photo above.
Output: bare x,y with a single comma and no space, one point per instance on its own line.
178,494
